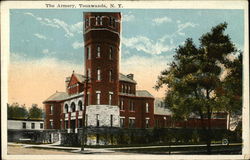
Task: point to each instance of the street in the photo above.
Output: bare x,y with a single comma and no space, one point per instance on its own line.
50,149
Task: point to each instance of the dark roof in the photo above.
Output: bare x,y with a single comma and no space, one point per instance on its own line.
58,96
143,93
123,77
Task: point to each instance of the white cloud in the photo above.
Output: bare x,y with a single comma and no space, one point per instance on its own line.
128,17
182,26
77,45
158,21
40,36
70,29
142,43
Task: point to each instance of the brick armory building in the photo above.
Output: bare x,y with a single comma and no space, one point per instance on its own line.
112,97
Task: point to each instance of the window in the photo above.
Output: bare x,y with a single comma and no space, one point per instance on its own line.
32,125
98,51
88,52
24,125
129,89
51,109
98,74
98,96
131,123
125,89
110,21
41,125
131,107
121,105
113,22
51,124
80,105
111,53
98,20
87,21
147,108
122,88
111,120
110,76
147,123
122,122
97,120
66,108
110,98
73,107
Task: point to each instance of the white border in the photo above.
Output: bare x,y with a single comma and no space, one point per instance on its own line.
6,5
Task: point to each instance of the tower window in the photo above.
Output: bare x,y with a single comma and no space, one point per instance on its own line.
98,51
98,20
88,53
87,22
98,74
110,98
147,108
110,76
111,53
114,23
98,96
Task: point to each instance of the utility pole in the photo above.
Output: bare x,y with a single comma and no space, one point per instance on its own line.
86,87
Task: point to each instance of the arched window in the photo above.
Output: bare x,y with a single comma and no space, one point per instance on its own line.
80,105
66,108
73,107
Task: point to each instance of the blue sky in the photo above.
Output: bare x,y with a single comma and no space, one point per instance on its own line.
58,33
43,37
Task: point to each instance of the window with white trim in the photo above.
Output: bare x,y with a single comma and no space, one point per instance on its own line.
131,122
51,109
122,122
98,51
110,76
111,53
147,107
110,98
98,97
98,74
147,122
88,50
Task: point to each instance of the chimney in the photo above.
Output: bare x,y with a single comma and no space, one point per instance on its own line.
130,76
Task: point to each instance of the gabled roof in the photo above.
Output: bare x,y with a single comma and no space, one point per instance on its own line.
80,77
143,93
123,77
58,96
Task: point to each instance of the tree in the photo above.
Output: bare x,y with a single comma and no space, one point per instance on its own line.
35,112
194,77
17,111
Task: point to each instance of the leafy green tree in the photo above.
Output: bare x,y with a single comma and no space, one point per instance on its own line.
35,112
17,111
194,77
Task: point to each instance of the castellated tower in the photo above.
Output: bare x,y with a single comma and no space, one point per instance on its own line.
101,49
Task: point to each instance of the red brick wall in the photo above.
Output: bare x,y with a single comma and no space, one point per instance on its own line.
55,116
139,113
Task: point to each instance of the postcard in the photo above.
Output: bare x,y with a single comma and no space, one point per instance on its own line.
125,80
